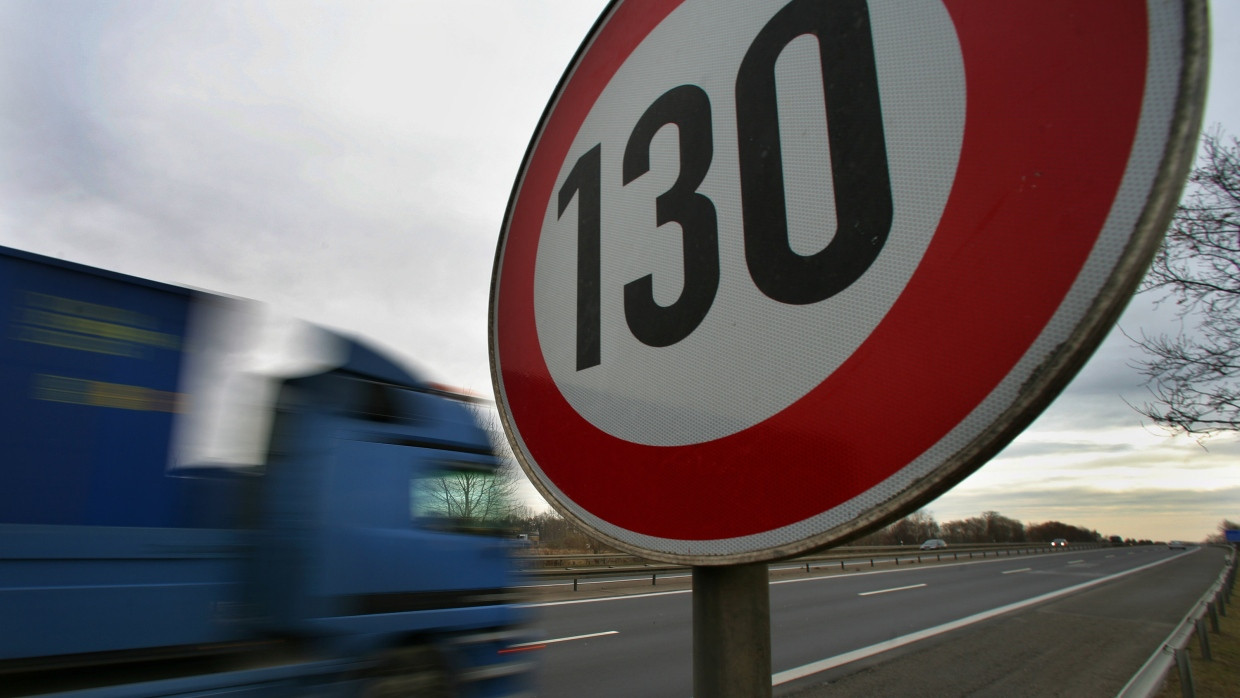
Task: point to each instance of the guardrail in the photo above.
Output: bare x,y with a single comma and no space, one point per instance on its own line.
596,565
1149,680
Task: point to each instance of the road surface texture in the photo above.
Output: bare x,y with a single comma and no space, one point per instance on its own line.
1087,644
615,638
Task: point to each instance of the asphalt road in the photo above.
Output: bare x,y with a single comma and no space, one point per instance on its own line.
989,627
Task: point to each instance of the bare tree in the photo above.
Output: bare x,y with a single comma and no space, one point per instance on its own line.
1000,529
970,530
990,527
1223,527
1192,375
914,528
1050,530
471,496
465,495
558,533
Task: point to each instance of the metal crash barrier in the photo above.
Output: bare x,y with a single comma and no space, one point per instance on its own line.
1149,680
601,566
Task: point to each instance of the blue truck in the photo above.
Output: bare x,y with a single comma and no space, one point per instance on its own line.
336,567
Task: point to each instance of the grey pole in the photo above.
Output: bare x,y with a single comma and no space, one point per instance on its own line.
731,631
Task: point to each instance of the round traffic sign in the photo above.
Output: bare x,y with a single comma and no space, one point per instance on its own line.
774,273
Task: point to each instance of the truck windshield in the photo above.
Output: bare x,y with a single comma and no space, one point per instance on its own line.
462,498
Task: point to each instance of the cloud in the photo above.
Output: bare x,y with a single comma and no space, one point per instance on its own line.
1051,499
1033,449
349,164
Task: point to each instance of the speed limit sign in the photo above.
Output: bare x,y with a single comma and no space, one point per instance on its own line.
773,273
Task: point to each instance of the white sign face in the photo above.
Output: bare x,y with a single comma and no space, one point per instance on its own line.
774,272
749,337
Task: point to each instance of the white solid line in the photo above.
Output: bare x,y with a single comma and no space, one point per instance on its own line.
1023,569
609,580
887,591
878,648
567,639
604,598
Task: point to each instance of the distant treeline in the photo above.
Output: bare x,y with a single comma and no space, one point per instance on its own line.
548,530
990,527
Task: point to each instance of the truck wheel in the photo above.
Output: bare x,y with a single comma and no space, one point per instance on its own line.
409,671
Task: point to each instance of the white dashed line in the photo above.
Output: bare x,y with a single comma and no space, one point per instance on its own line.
888,591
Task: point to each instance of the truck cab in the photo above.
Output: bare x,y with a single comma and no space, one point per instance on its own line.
380,520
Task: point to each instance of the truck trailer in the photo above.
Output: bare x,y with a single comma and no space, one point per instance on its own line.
335,567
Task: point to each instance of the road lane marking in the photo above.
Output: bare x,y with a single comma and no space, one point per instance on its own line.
1075,562
1023,569
822,665
773,582
544,643
601,599
888,591
856,572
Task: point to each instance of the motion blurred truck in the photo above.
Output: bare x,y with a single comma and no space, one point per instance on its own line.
335,567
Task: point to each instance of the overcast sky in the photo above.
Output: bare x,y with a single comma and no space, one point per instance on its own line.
349,164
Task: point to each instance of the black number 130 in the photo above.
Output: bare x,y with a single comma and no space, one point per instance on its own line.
858,168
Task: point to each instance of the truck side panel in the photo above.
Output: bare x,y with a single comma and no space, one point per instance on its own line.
89,368
72,590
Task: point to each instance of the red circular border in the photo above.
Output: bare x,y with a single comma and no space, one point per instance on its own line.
1054,93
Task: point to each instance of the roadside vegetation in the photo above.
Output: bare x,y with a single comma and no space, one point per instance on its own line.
549,532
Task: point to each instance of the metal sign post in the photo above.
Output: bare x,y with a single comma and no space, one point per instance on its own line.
750,240
732,631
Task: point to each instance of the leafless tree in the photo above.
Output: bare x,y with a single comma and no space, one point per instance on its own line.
914,528
970,530
475,496
1000,529
1050,530
1192,375
1223,527
468,495
990,527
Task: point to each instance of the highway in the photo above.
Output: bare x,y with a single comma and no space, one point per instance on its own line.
641,644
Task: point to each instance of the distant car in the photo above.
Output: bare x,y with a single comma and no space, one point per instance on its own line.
1177,545
1059,543
934,544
